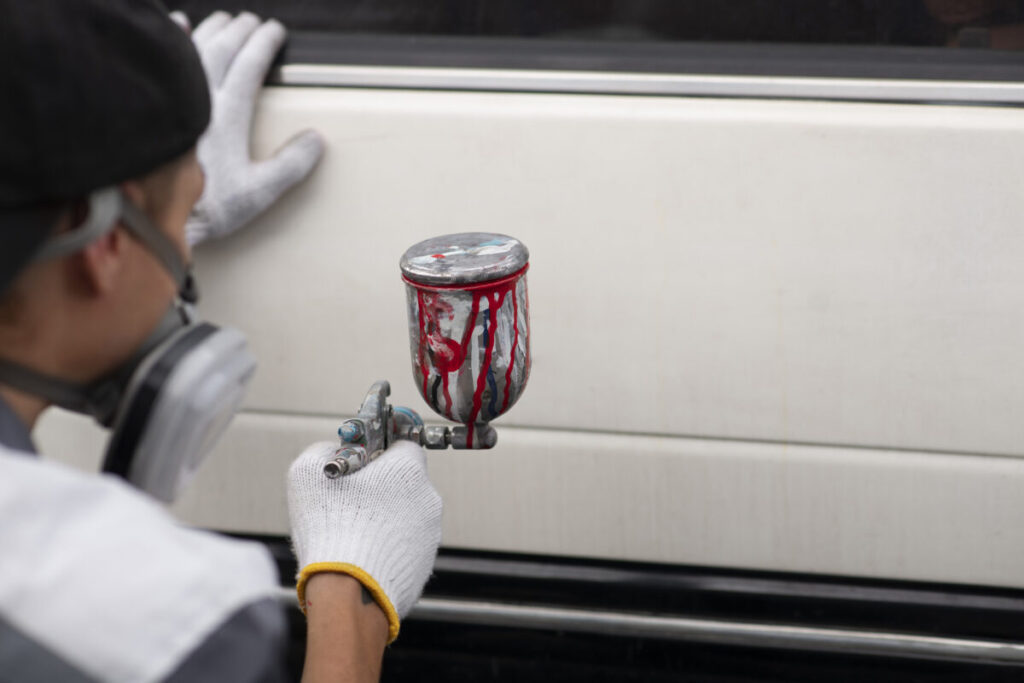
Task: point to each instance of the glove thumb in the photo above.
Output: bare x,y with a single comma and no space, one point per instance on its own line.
295,160
267,181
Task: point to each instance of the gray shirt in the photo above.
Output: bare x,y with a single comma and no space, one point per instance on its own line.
13,432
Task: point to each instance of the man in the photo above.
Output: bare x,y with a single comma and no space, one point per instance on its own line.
102,191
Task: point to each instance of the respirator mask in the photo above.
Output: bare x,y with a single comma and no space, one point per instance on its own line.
168,405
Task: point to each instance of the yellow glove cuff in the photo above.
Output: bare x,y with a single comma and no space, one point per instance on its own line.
369,583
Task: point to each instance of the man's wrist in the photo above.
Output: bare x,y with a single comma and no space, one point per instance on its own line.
330,592
346,630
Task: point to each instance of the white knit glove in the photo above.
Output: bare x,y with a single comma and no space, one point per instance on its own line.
380,525
236,54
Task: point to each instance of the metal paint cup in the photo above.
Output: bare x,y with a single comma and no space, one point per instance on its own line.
469,324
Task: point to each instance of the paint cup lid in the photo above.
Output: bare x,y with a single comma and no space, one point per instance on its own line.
465,258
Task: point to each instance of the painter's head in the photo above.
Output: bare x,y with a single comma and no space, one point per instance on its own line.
107,94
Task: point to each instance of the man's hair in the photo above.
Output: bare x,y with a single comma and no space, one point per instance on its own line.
12,297
11,302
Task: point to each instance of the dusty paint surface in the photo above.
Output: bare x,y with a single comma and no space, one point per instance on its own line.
467,258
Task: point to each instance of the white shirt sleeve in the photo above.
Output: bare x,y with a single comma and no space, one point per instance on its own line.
105,577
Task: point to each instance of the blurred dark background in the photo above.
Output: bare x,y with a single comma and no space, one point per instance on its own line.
843,22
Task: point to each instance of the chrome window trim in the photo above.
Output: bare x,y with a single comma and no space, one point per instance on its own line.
614,83
710,631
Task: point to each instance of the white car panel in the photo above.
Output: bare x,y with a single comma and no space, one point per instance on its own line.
854,512
710,280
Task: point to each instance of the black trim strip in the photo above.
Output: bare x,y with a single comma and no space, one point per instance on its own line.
819,61
931,609
454,635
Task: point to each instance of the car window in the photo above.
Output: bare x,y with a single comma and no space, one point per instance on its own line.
995,24
925,51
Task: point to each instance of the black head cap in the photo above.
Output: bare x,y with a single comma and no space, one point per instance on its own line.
92,92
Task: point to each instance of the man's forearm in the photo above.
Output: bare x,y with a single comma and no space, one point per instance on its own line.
346,631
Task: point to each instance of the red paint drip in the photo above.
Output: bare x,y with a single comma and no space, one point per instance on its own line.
437,256
445,354
448,355
466,334
494,301
527,364
447,396
512,353
423,341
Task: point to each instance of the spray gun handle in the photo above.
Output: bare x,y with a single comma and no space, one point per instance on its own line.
365,437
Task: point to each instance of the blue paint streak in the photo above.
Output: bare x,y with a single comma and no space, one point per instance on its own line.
411,414
490,374
494,392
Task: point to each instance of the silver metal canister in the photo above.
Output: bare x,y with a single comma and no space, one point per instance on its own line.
469,324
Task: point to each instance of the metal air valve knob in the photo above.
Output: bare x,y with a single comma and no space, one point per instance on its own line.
346,460
352,455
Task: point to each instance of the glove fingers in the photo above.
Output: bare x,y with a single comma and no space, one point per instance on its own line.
293,162
407,450
255,188
197,231
210,26
181,19
249,69
304,471
220,50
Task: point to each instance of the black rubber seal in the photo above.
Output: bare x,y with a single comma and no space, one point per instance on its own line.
690,58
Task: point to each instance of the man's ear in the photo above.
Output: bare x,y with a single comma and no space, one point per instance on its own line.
97,266
133,191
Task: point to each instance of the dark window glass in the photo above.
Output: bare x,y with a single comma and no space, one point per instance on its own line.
968,23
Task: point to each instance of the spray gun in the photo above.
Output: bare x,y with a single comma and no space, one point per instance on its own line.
379,424
469,337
